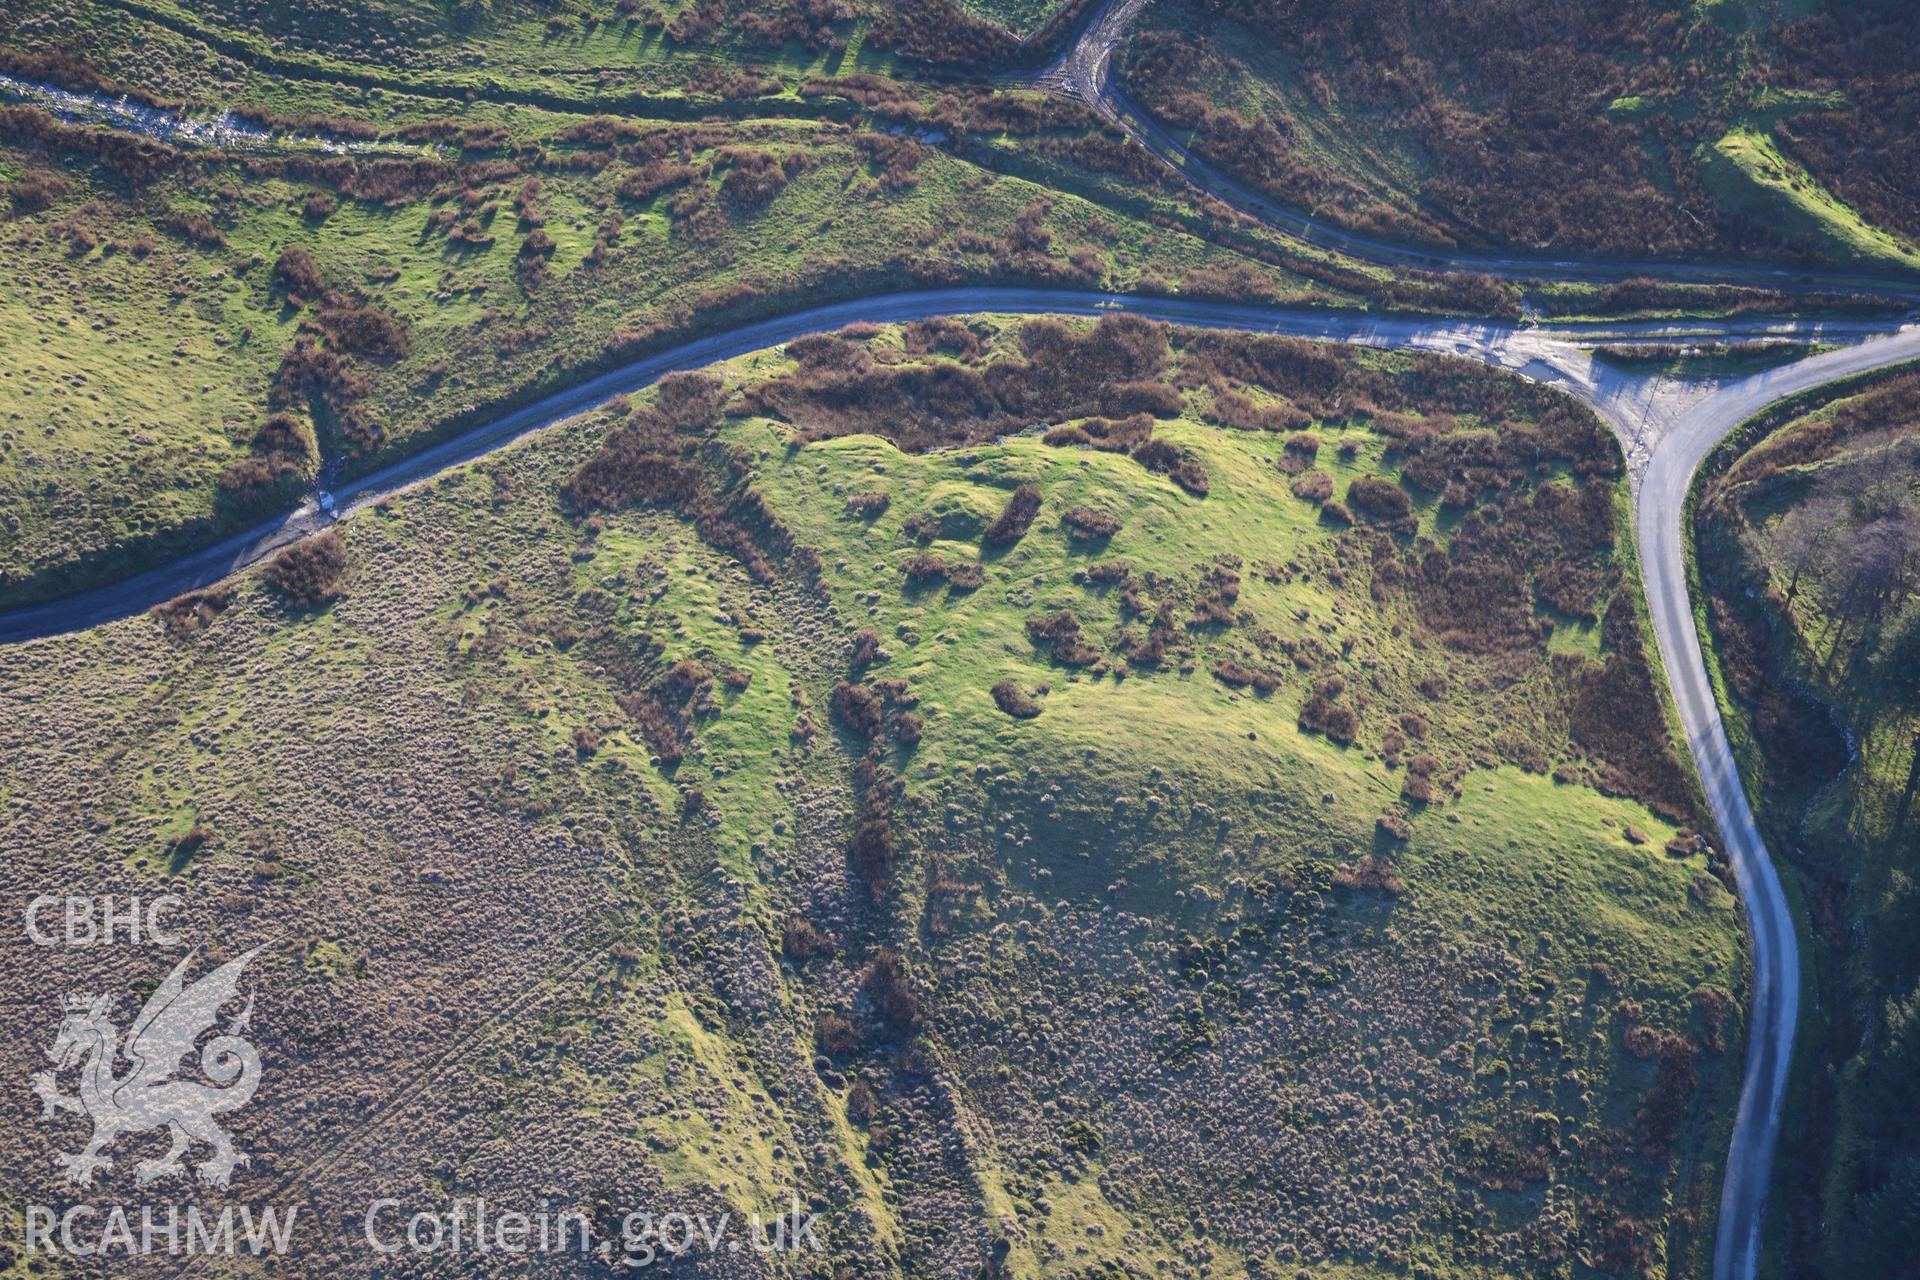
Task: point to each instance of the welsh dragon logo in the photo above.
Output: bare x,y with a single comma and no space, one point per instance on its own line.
148,1095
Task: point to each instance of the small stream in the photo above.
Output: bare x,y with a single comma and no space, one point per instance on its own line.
222,130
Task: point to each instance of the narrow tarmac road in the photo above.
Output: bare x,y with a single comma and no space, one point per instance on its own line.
1775,1004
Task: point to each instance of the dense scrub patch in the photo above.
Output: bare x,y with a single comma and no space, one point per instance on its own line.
1100,373
1480,513
664,455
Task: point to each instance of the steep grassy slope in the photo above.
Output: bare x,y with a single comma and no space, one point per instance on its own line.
1808,530
1262,852
1658,127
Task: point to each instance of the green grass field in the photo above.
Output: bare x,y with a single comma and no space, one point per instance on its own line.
103,474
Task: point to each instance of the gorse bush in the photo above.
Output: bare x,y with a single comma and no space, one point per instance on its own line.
1175,464
1379,498
1111,435
1233,672
1015,518
890,985
1013,700
1324,713
36,190
858,708
1060,635
193,612
309,572
298,274
868,505
278,452
802,940
1085,525
753,178
835,1036
1312,486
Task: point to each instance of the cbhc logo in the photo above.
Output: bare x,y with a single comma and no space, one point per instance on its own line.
55,921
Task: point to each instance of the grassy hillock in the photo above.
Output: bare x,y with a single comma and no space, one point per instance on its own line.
1067,797
1673,129
1808,528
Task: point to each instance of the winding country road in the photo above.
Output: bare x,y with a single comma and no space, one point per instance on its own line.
1666,427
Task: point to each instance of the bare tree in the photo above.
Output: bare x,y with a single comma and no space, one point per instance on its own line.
1801,540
